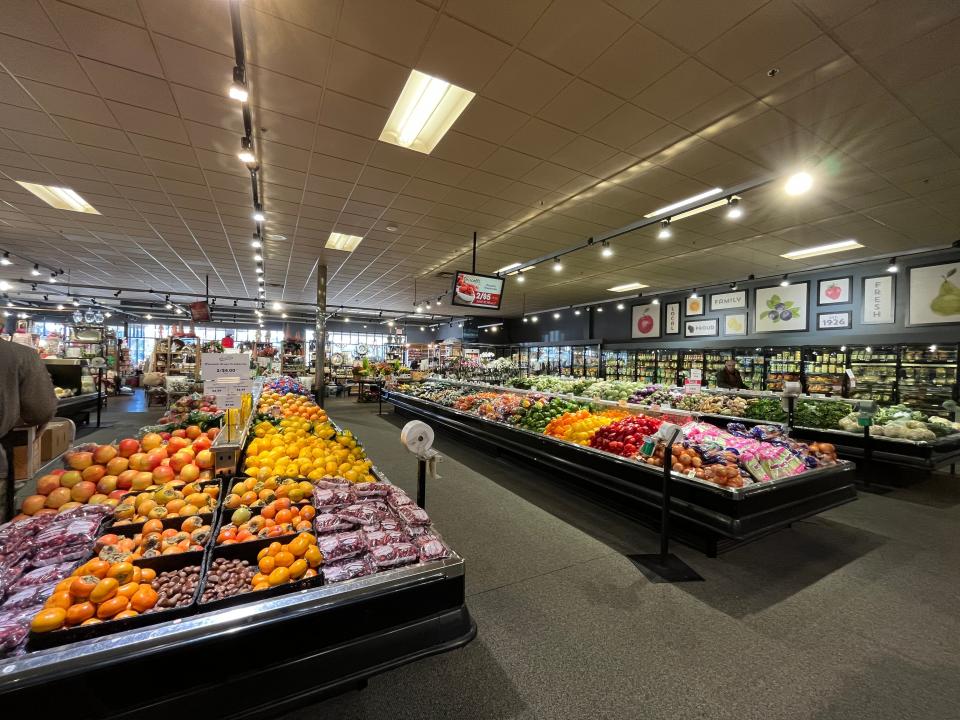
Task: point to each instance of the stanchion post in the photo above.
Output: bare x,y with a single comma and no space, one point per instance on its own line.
665,504
422,483
100,393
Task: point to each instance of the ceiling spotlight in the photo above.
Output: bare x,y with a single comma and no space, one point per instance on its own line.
169,305
238,88
178,311
798,183
694,294
785,282
283,315
246,152
665,231
149,316
843,348
734,210
576,312
258,257
656,301
5,260
389,323
557,265
525,319
520,277
392,227
260,281
620,306
599,309
53,277
533,318
255,242
117,293
428,304
259,271
259,216
346,319
892,267
76,303
36,270
277,306
59,307
419,309
868,348
733,286
439,300
234,303
556,316
933,348
607,251
106,315
422,328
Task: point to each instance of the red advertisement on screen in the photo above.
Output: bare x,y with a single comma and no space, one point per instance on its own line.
477,291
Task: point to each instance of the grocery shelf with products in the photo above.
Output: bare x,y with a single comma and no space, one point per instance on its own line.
713,363
718,503
667,366
824,370
927,377
690,360
752,367
874,373
783,365
349,604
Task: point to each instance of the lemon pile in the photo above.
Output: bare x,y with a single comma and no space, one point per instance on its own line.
303,448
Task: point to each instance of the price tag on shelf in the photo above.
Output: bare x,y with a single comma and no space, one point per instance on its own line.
216,366
227,395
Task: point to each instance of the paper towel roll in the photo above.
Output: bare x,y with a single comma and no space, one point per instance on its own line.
417,436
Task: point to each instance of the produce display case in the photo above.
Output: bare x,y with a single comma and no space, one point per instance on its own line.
707,516
928,377
335,636
752,367
824,370
783,365
667,366
646,366
874,373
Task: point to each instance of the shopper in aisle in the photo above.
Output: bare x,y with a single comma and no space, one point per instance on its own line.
729,376
26,393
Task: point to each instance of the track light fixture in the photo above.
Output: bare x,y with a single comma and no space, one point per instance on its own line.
606,250
557,265
246,152
620,306
892,267
785,282
694,294
238,88
53,277
665,232
520,277
798,183
733,286
234,303
5,260
117,293
258,216
36,269
656,301
256,241
734,211
76,303
439,300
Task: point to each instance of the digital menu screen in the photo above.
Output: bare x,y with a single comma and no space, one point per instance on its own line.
477,291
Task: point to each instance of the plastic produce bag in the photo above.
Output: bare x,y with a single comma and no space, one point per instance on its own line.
342,545
379,538
413,515
28,597
432,549
371,489
326,499
45,575
330,523
361,514
349,569
332,483
398,498
15,628
386,556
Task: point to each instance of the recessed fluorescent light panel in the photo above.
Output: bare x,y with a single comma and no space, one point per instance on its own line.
687,201
507,268
425,110
522,270
701,209
627,287
822,250
339,241
59,197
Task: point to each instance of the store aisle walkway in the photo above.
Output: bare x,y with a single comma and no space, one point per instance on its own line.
850,615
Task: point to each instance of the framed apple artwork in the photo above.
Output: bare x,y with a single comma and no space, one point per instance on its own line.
835,291
646,321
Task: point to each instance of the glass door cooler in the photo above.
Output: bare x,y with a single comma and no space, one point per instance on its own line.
667,366
578,369
783,365
613,361
928,377
645,366
824,369
691,360
591,360
874,373
713,361
751,367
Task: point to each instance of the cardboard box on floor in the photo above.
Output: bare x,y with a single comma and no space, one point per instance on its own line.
26,455
55,439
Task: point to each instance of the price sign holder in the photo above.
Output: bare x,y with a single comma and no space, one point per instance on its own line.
217,366
665,567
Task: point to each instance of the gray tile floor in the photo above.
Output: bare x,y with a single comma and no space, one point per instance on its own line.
852,614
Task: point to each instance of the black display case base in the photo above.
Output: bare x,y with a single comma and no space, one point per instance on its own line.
659,569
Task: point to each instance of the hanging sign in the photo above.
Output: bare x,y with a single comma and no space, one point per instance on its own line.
215,366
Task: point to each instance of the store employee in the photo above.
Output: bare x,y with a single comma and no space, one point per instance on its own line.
729,376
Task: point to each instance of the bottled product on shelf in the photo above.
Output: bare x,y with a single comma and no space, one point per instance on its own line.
783,365
646,366
691,360
667,366
874,373
752,368
824,370
928,377
713,363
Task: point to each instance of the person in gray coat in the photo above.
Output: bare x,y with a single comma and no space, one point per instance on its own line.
26,391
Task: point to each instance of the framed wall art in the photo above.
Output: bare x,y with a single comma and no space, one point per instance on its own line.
700,328
735,324
645,321
672,318
694,306
934,294
733,300
878,300
781,309
835,291
835,320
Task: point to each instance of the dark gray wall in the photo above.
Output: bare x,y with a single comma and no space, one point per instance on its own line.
613,326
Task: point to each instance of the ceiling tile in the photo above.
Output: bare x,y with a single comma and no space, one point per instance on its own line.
60,101
317,15
394,29
571,34
119,9
29,60
198,68
718,107
490,120
506,19
352,115
284,94
509,163
578,106
363,75
285,48
145,122
582,154
681,90
625,126
205,25
694,23
886,24
26,19
635,61
463,149
132,88
526,83
540,139
461,55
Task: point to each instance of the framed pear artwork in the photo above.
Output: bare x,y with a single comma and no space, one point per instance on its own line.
934,294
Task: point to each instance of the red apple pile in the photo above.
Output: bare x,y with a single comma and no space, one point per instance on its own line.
105,473
625,436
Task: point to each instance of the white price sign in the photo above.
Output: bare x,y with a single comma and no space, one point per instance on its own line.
217,366
227,395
